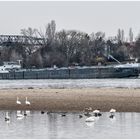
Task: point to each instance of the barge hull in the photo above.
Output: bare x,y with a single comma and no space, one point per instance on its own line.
75,73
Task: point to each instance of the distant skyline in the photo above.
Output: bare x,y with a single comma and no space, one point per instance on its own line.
86,16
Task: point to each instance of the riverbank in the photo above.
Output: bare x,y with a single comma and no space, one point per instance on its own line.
122,99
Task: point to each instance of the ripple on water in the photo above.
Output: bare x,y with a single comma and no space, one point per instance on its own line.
53,125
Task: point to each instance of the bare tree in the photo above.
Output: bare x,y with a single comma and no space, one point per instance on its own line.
50,31
30,34
130,35
122,35
99,35
119,36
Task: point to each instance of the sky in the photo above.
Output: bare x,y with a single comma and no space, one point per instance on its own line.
86,16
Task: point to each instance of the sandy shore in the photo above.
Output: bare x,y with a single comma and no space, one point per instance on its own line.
123,100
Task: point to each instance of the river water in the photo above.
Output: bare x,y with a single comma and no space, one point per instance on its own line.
71,83
52,126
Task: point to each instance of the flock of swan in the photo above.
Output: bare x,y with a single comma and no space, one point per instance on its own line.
87,111
97,113
19,114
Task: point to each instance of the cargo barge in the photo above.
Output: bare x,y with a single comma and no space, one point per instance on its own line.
71,73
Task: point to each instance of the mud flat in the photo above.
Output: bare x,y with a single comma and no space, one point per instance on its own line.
122,99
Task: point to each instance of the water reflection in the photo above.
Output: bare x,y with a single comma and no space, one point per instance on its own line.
90,124
53,125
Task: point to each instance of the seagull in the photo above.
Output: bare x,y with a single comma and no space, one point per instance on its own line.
27,102
18,102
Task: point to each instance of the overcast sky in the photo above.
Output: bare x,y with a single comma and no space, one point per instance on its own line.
84,16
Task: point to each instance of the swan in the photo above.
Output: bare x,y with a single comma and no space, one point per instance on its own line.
27,102
90,119
18,102
19,115
112,111
7,117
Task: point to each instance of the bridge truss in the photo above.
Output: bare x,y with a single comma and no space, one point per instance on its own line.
12,40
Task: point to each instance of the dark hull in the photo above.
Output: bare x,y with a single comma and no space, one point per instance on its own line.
72,73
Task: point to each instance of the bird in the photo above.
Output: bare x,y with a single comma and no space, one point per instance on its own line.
97,112
42,112
19,115
80,116
63,115
111,116
87,111
27,102
18,102
90,119
7,117
112,111
26,112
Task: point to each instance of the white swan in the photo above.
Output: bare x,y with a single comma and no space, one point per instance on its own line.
96,111
7,117
18,102
27,102
19,115
112,110
90,119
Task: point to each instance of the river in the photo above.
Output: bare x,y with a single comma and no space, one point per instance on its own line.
71,83
52,126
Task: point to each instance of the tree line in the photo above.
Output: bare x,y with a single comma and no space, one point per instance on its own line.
71,47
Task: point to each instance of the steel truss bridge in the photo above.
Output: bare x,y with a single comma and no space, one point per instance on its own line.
12,40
